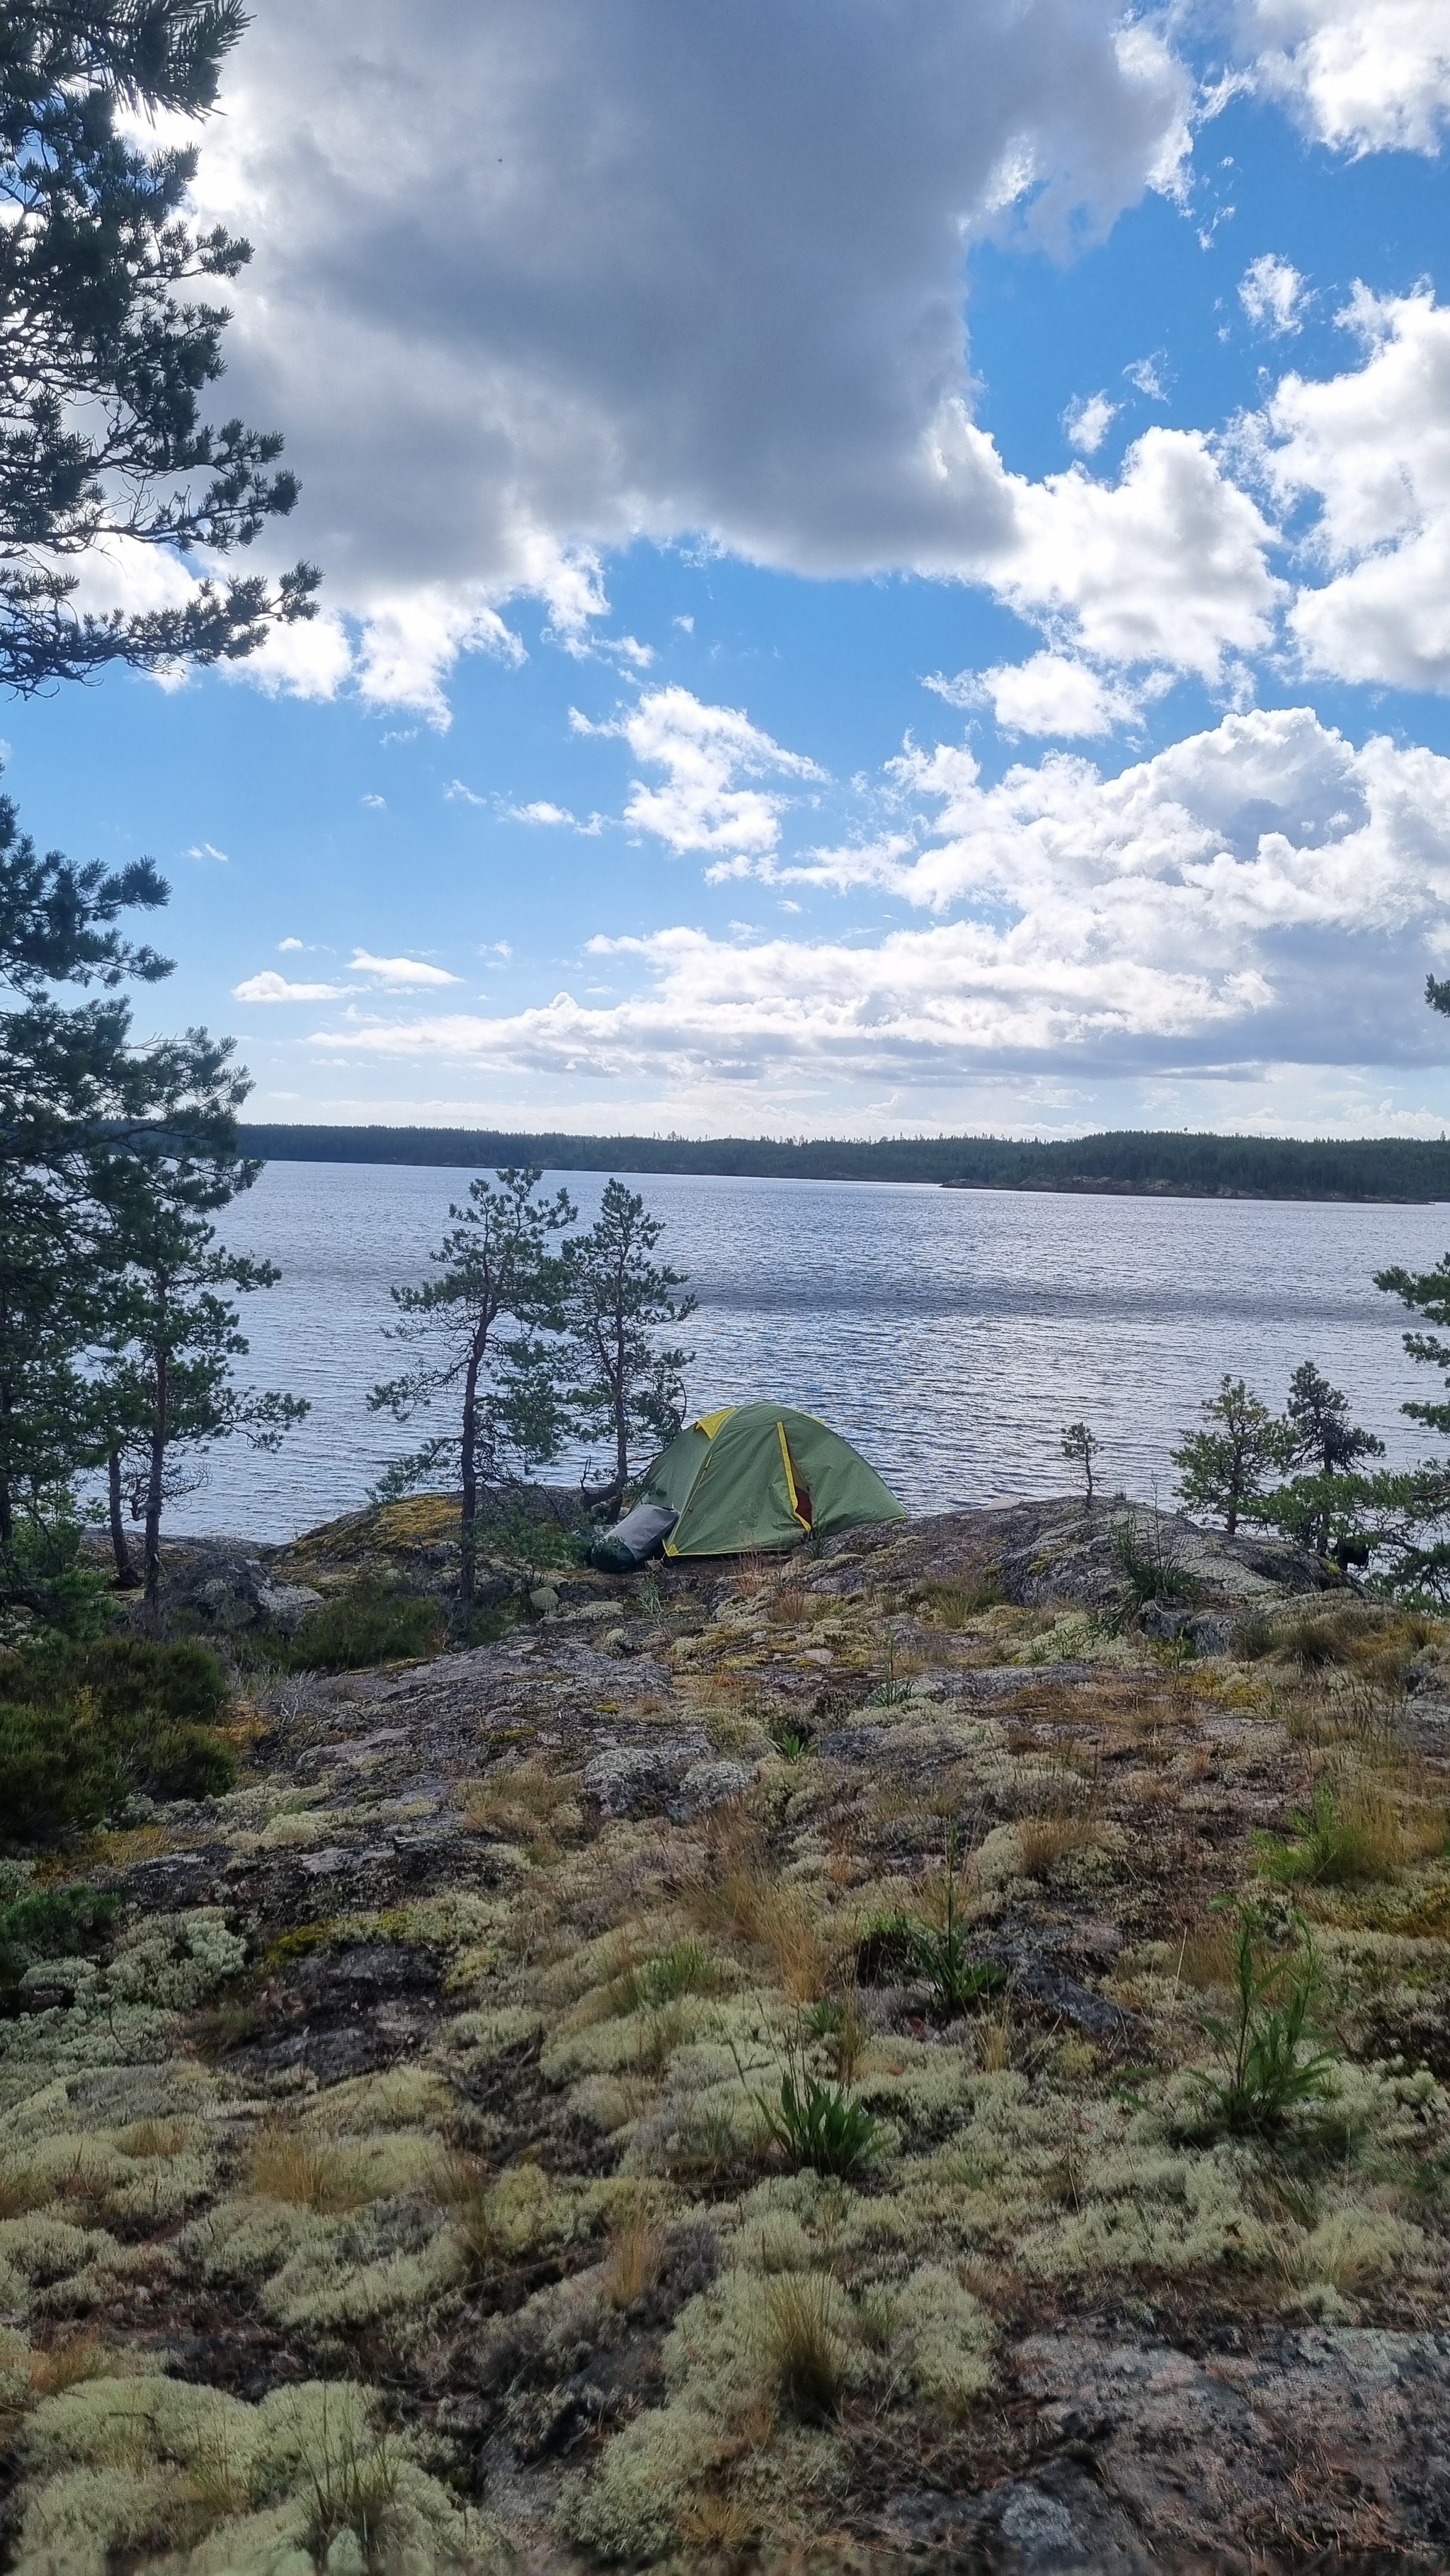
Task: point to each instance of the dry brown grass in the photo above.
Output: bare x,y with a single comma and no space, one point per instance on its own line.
22,2189
1203,1953
802,2327
152,2138
953,1602
994,2040
526,1800
308,2175
744,1903
1055,1833
791,1606
65,2364
634,2263
849,2039
461,2186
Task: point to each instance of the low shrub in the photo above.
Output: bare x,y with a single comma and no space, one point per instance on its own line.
1342,1841
85,1727
54,1923
822,2128
938,1953
1270,2063
948,1603
1149,1553
372,1623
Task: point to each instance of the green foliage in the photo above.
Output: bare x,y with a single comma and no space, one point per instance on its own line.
1151,1160
52,1923
475,1332
371,1623
821,2127
83,1728
938,1953
532,1541
623,1386
1148,1551
1266,2047
133,1678
1333,1845
791,1739
686,1968
109,349
115,1344
1221,1468
1079,1448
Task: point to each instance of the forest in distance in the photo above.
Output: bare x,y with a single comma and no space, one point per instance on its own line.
1144,1162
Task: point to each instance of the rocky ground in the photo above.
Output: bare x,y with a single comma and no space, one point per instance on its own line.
531,2120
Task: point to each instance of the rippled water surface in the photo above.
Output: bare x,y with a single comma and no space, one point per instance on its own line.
949,1333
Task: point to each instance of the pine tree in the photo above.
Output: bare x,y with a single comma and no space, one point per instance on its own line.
1222,1468
166,1391
108,350
616,1300
495,1270
112,1158
1079,1448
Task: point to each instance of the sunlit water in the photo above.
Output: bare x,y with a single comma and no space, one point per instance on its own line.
949,1333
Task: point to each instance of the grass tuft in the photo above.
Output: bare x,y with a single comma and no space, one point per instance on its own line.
307,2175
804,2344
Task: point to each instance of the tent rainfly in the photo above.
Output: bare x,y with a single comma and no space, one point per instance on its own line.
750,1476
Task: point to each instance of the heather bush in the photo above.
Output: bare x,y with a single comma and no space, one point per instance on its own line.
85,1727
373,1623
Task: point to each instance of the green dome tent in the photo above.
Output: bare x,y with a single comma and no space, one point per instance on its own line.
762,1476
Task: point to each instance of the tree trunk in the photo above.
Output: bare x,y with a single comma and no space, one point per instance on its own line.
469,1521
620,1392
7,1512
126,1575
154,1488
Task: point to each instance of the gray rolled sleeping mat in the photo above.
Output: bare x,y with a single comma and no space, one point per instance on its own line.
640,1535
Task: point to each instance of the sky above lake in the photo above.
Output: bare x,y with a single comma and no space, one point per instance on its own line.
886,570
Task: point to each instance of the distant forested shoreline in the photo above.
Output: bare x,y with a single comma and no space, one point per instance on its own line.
1147,1163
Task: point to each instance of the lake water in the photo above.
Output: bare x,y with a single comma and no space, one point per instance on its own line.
949,1333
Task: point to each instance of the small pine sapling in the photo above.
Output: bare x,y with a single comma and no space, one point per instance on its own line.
1079,1448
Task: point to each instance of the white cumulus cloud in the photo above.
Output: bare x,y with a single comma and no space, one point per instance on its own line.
399,974
705,752
1261,890
1370,451
535,280
1168,565
1088,421
1050,693
1272,293
269,986
1361,75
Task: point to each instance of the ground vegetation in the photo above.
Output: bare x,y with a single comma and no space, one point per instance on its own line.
893,2059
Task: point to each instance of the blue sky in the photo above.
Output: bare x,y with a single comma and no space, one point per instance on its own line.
885,571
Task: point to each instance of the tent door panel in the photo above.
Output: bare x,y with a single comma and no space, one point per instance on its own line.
800,1500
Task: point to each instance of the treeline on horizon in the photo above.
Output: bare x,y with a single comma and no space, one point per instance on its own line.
1140,1162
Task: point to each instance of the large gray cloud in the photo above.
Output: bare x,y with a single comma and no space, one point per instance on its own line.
548,272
